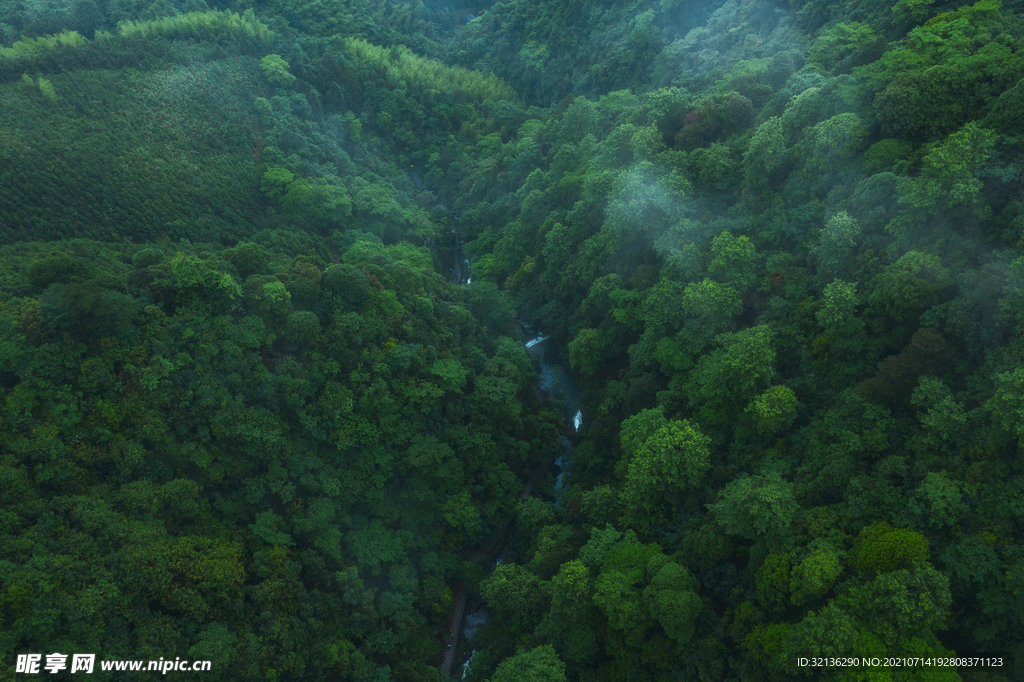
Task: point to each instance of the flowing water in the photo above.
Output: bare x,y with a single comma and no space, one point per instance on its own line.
563,395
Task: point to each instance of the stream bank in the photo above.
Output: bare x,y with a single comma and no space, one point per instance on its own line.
556,387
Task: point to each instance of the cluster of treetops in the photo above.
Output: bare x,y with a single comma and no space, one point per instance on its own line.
244,418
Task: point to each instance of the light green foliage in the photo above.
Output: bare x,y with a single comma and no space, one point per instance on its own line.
419,74
944,75
451,373
46,88
815,575
275,180
646,144
730,376
619,589
838,312
743,70
617,597
802,112
537,665
616,106
571,586
948,174
949,37
34,49
880,548
593,553
635,430
532,517
841,42
756,507
276,70
570,622
774,410
533,54
672,459
766,151
673,353
733,260
276,293
200,25
838,242
189,270
354,125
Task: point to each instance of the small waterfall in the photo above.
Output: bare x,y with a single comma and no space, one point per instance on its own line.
534,342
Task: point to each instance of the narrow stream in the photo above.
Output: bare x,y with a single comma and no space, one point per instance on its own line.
563,395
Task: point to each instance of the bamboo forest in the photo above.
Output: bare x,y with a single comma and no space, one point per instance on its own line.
524,341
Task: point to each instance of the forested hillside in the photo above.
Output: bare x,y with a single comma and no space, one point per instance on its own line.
264,397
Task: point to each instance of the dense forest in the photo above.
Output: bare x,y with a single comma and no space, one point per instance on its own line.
267,269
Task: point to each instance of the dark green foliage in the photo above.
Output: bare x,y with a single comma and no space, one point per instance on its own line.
249,259
226,477
247,416
302,328
773,580
517,597
1002,117
880,548
346,284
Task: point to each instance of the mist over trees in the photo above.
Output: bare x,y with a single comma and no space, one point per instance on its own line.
251,413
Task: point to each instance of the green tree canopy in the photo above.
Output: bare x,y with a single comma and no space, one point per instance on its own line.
756,507
536,665
275,68
670,460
